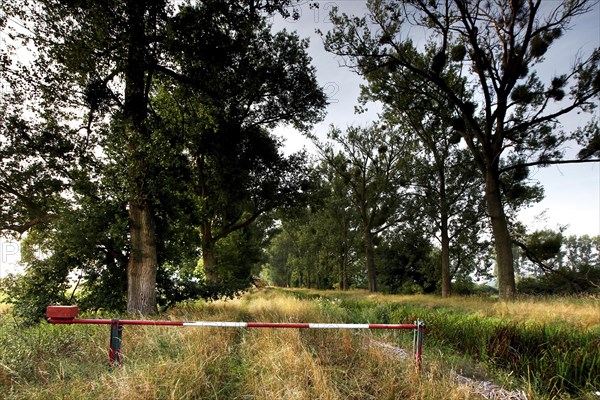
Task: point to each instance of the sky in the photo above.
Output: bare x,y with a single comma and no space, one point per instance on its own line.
572,192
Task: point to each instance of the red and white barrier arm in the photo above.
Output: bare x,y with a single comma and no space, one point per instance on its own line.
68,314
224,324
297,325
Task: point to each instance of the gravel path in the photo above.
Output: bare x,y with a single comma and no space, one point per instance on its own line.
487,389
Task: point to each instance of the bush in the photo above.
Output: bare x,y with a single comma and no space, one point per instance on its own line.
411,288
463,286
564,281
466,287
31,293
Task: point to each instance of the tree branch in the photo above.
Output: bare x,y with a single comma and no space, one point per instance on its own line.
545,163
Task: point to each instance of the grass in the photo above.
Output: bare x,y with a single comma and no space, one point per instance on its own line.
58,362
552,344
4,308
579,311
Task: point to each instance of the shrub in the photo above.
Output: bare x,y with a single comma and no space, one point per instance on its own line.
563,281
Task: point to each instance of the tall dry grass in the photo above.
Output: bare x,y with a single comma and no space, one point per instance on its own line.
552,344
220,363
580,311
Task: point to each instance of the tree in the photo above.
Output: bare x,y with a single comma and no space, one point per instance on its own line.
280,251
373,162
102,59
558,264
341,224
542,249
447,188
449,203
252,79
407,261
320,239
103,53
495,46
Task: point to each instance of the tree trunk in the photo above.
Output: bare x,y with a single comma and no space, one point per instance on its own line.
446,284
142,266
318,281
502,240
343,268
209,260
370,256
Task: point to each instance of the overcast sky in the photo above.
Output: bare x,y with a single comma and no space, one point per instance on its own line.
572,191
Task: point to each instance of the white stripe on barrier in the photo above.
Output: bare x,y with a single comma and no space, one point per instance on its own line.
339,326
217,324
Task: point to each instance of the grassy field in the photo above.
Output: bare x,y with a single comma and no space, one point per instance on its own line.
552,344
70,362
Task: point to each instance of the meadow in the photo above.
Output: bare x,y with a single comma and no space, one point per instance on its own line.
538,348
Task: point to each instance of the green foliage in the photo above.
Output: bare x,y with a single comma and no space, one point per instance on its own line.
560,265
251,77
515,120
318,244
408,264
178,285
545,244
585,279
464,286
183,136
374,163
241,254
42,284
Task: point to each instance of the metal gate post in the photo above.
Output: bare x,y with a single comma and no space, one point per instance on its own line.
116,339
418,343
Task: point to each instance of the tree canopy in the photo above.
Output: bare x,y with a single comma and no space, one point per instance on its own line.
506,115
102,128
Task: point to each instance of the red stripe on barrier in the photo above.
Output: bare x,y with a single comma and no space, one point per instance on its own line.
124,322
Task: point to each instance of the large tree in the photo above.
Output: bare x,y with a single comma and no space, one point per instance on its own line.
514,120
447,189
101,59
253,80
103,52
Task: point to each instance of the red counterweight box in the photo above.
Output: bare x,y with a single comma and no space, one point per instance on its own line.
61,314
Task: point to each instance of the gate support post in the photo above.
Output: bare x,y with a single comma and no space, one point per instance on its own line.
418,343
116,339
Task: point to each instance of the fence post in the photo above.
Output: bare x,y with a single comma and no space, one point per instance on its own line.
418,343
116,339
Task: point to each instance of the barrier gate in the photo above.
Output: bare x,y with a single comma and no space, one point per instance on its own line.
68,315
